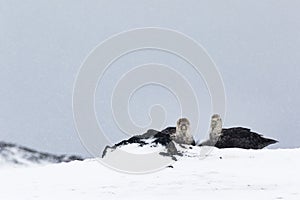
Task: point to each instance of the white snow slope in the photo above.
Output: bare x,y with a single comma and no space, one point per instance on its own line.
223,174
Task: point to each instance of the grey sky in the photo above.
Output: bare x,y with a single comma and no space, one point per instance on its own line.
255,45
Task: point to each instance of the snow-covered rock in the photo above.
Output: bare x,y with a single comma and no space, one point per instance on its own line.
15,155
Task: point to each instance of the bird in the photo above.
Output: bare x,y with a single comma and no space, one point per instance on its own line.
236,137
182,134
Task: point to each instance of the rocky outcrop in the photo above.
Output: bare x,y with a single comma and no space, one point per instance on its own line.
12,154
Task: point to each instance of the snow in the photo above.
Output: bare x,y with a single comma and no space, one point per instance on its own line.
220,174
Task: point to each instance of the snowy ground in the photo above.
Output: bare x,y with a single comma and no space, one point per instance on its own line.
223,174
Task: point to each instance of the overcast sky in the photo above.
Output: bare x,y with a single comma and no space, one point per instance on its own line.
255,45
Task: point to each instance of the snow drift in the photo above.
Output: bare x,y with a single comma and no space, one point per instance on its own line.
220,174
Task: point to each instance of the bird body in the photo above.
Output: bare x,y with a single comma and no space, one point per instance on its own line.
237,137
